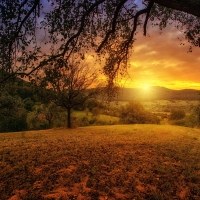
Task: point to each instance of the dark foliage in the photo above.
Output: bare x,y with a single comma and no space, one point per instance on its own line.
177,114
12,113
134,113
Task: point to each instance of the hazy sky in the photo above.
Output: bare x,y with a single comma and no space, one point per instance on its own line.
160,60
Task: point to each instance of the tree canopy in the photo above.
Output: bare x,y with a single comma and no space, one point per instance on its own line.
39,33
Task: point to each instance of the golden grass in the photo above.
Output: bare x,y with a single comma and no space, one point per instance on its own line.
101,119
102,162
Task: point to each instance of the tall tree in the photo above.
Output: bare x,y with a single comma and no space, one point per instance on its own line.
70,85
33,33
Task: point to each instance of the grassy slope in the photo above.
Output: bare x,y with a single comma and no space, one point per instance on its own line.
103,119
107,162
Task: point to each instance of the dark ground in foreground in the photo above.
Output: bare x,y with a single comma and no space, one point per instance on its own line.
96,163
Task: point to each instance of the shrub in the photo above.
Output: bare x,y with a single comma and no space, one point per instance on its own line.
36,121
180,122
84,121
28,103
46,116
177,114
193,120
96,111
134,113
93,103
12,113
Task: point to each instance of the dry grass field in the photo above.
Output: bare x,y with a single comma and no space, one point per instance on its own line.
119,162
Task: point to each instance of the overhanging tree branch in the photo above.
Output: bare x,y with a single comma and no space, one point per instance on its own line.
78,26
36,3
113,25
147,16
42,64
141,12
189,6
81,25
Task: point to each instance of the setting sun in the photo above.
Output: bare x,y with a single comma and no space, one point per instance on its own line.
169,65
145,87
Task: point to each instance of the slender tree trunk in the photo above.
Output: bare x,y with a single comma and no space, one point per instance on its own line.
69,118
50,123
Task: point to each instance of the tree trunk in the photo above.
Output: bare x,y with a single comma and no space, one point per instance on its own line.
188,6
69,118
50,123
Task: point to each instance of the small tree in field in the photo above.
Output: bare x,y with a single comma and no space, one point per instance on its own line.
70,85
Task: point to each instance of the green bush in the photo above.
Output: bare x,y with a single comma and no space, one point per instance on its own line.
134,113
12,113
36,121
193,120
93,103
177,114
96,111
28,103
180,122
60,120
84,121
46,116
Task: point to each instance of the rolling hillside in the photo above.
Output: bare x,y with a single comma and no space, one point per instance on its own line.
102,162
157,93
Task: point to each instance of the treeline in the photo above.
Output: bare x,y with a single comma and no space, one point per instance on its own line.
158,93
24,106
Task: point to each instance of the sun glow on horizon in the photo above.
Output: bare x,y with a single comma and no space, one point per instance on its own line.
146,87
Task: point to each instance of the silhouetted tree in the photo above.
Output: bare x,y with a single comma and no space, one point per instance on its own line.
32,36
69,86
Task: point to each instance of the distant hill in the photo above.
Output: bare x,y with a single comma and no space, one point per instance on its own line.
25,89
157,93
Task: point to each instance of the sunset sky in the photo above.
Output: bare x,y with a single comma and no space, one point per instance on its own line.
160,60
